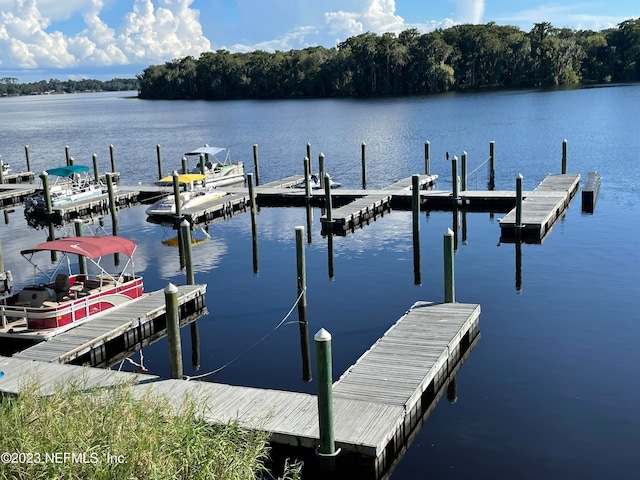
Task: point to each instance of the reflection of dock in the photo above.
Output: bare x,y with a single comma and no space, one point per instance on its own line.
542,207
118,332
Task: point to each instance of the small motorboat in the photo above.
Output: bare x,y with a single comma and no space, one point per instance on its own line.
218,172
314,181
193,192
66,299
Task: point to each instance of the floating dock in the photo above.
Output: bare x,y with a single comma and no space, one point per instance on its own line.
116,333
541,207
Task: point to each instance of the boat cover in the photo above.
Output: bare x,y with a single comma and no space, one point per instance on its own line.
206,150
183,178
90,247
67,171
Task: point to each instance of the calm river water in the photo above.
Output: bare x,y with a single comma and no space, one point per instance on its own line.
553,386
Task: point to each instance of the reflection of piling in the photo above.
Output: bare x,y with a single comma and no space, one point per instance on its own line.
28,156
449,282
255,163
173,331
195,345
330,255
427,157
159,155
518,265
464,227
415,203
309,223
52,237
302,304
492,165
185,234
455,227
364,165
324,372
254,222
82,261
96,172
452,391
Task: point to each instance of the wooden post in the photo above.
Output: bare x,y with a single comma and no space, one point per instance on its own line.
454,178
82,261
449,281
321,169
463,173
564,156
112,203
1,169
518,226
113,159
415,204
44,176
71,161
492,165
255,163
185,168
324,372
307,179
202,164
427,157
195,345
173,330
67,155
159,155
96,172
302,303
309,156
26,154
185,232
327,199
364,165
254,221
176,194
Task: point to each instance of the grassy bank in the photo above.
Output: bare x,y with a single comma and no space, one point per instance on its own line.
110,434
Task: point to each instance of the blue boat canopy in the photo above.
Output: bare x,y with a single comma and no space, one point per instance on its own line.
67,171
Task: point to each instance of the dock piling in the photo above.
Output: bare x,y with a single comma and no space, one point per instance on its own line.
173,331
67,155
321,169
113,158
327,199
255,163
492,165
427,157
463,171
1,168
449,281
518,226
309,156
82,261
28,156
96,172
302,304
364,165
254,222
564,156
159,155
307,178
71,161
454,179
44,176
202,165
185,233
415,203
324,372
176,193
185,168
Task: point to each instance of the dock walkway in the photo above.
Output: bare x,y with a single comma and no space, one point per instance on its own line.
542,207
130,324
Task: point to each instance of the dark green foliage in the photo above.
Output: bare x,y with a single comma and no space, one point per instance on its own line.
9,86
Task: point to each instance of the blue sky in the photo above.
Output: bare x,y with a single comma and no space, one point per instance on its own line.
104,39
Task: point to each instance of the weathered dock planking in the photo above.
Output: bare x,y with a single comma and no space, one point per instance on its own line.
542,207
377,403
14,194
18,371
112,335
18,177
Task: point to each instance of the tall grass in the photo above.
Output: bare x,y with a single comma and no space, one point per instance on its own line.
110,434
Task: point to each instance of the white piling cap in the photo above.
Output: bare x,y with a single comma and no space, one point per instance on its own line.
520,176
322,336
184,223
170,288
455,158
449,232
300,227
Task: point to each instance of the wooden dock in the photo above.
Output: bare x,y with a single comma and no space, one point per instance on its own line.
541,208
18,177
17,371
116,333
377,403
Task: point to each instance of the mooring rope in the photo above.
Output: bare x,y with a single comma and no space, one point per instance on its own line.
282,322
474,171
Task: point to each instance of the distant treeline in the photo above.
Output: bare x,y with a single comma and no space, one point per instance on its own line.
10,86
458,58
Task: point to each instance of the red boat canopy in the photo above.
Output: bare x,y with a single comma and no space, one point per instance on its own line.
90,247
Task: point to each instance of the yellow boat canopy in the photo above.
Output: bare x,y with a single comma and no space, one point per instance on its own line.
182,178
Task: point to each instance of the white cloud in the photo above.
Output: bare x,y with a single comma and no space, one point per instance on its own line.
28,39
294,39
469,11
561,16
